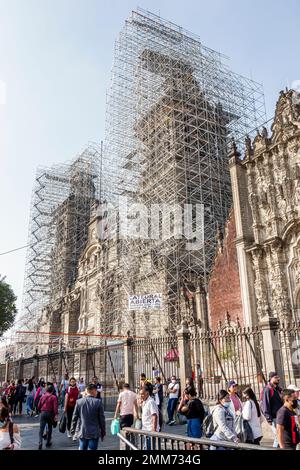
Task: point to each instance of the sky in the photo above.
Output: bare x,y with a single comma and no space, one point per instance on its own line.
55,61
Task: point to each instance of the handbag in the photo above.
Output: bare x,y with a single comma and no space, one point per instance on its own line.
138,424
243,429
62,423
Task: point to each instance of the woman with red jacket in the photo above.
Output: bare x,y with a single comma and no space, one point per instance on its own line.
70,402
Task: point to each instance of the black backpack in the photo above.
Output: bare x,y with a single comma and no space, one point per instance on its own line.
208,428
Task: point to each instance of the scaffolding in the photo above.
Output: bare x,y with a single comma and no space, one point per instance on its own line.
61,205
173,107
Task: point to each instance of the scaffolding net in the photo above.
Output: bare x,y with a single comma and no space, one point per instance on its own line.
61,205
173,107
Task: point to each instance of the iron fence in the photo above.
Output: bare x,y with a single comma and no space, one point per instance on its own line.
228,354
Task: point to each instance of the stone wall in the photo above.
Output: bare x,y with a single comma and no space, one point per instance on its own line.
224,293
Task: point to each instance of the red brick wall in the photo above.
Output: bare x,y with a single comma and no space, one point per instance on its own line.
224,293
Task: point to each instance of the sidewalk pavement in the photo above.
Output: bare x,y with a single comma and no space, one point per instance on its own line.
29,428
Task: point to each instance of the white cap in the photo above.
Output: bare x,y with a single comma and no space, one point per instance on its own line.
293,387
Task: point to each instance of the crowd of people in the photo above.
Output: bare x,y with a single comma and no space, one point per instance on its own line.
237,416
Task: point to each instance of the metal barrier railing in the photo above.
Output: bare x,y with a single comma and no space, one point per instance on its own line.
126,442
147,440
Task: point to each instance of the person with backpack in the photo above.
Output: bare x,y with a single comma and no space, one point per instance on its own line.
41,390
271,402
252,414
48,407
194,411
71,398
223,421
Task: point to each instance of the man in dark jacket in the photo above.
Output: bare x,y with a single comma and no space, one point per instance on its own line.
89,411
272,402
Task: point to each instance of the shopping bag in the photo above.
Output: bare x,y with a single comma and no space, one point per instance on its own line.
138,424
115,427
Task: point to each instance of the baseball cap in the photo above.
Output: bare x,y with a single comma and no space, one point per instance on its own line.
231,383
293,387
272,374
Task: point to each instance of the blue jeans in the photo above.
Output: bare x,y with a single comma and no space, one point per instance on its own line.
172,402
88,444
275,443
29,404
194,428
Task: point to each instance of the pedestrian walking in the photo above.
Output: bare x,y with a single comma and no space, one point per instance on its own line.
223,421
19,397
236,404
90,415
126,406
158,393
70,402
10,394
81,386
194,411
31,390
272,402
41,390
173,393
251,413
48,407
63,388
98,385
287,422
150,414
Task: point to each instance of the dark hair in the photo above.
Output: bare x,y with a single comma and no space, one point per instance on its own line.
221,395
191,381
287,393
158,379
126,385
30,385
50,388
248,391
4,413
143,375
148,387
91,387
19,382
190,390
4,401
72,378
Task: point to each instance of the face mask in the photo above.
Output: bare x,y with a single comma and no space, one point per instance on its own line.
294,403
226,404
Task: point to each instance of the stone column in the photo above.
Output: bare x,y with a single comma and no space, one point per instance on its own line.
184,351
244,234
6,371
271,345
128,362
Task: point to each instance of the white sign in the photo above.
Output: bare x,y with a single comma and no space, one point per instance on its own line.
144,301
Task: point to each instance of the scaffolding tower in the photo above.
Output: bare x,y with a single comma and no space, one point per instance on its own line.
173,107
61,205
